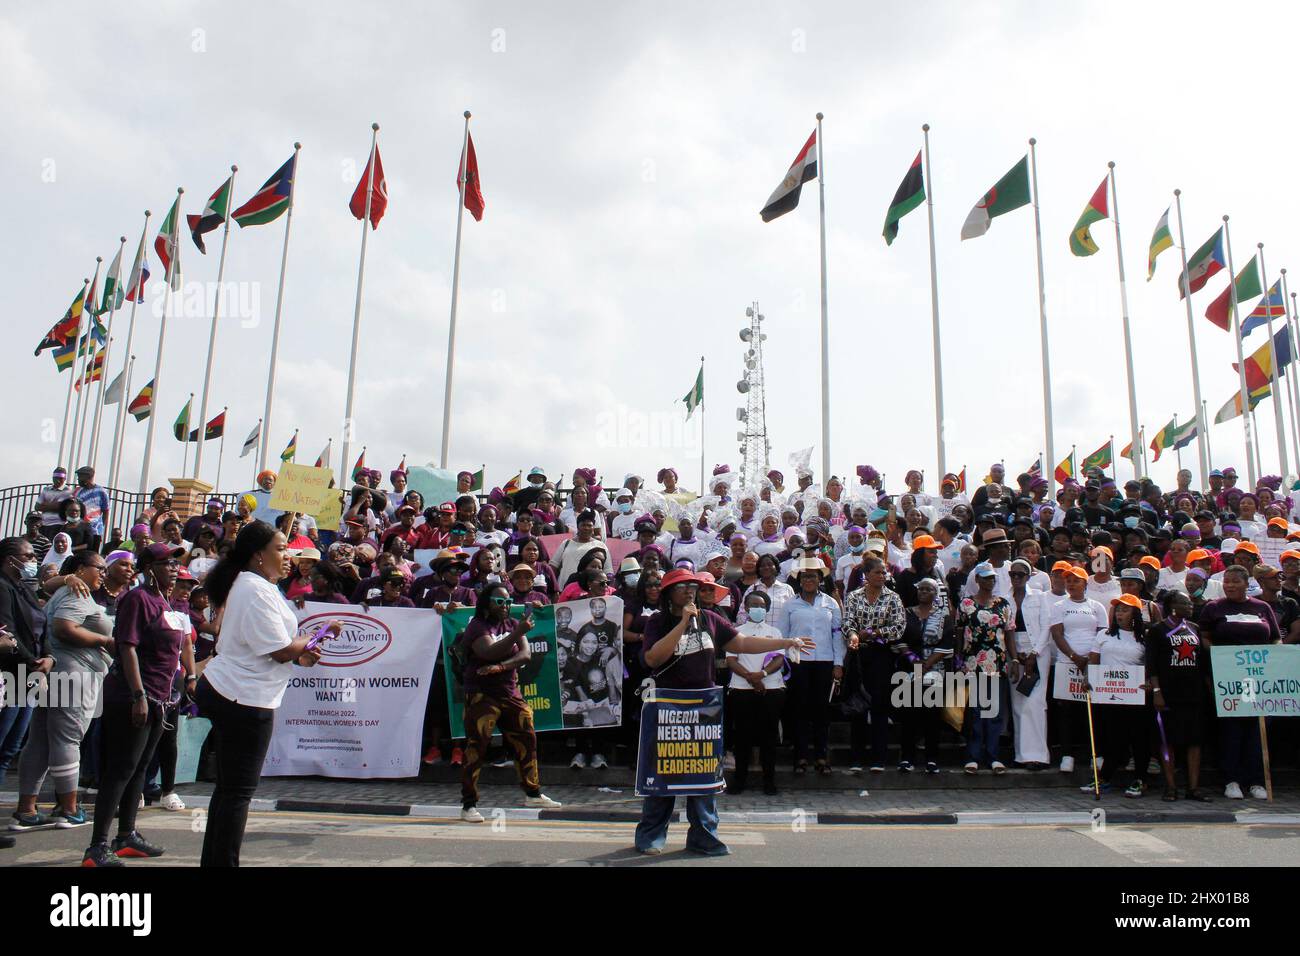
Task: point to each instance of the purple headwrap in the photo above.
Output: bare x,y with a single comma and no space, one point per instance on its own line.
392,475
586,474
496,496
721,469
867,474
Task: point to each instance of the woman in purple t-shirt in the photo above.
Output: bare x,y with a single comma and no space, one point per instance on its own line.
150,646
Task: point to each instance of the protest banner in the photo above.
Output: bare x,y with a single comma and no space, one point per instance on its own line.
1257,680
300,488
435,485
1068,682
1118,684
331,510
575,677
680,753
360,711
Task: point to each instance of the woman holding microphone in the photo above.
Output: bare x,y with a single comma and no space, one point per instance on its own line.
244,683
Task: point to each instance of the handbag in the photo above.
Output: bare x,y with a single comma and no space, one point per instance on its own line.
855,699
1028,682
954,710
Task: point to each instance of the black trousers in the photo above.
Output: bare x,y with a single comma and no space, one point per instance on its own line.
164,756
878,665
923,722
755,718
810,689
243,736
1069,718
1127,729
125,752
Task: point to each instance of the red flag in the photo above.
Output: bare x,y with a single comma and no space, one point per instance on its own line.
378,193
473,190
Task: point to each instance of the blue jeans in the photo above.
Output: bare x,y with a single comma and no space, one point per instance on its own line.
1242,758
13,731
984,732
657,812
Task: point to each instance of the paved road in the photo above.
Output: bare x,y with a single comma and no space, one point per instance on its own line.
314,839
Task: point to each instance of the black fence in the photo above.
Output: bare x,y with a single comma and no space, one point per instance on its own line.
123,508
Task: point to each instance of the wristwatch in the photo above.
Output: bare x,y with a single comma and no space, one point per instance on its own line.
137,695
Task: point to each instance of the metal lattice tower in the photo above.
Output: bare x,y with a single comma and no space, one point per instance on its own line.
754,446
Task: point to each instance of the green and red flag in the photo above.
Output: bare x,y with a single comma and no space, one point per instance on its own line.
68,327
909,195
476,481
94,370
1101,458
113,293
215,429
1164,439
1098,208
1248,286
1065,469
213,215
1008,193
270,202
168,245
1204,263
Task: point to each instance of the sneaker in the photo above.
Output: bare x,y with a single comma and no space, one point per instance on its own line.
457,756
1258,793
972,767
579,762
1233,792
172,801
135,846
1067,765
140,806
471,815
432,755
68,821
501,760
718,850
1129,766
1087,788
876,768
598,762
855,768
650,851
1153,767
543,802
100,855
932,767
1135,789
999,767
728,761
22,822
905,766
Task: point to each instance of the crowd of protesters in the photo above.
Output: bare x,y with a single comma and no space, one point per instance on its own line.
872,591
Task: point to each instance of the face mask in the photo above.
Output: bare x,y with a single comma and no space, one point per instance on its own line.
494,579
29,571
624,507
1131,522
632,579
857,548
757,614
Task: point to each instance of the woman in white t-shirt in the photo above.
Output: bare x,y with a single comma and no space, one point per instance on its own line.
244,682
1074,625
756,695
1125,728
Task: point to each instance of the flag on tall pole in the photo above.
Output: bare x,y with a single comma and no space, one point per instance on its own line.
323,459
112,301
360,465
94,370
214,429
935,338
268,203
113,293
1131,377
1232,407
476,480
1272,306
1247,287
368,203
216,213
1161,240
142,404
253,440
1204,263
113,394
909,195
87,349
1101,458
470,197
786,195
291,449
1271,357
1203,433
139,269
181,427
1251,473
1008,193
1065,470
1164,439
67,328
1276,363
1098,208
695,396
168,242
134,293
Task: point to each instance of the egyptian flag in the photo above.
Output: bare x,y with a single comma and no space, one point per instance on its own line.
214,214
215,429
378,193
473,189
786,196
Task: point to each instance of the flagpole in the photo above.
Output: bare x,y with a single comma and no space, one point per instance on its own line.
455,295
356,313
162,333
1114,474
221,452
1288,303
265,436
1123,304
1042,320
702,489
67,404
88,309
1279,420
216,317
1205,414
120,425
185,432
1254,434
1203,426
826,355
934,312
86,387
1142,433
1246,423
103,377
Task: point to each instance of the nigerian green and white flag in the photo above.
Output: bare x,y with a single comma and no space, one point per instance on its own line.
696,395
114,294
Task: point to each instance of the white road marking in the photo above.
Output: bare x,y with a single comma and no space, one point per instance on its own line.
1135,845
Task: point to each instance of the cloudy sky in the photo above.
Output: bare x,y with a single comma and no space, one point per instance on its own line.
625,151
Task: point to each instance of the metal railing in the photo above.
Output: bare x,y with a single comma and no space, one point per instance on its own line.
123,507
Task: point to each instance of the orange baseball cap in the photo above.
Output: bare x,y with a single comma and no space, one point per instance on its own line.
1067,566
1289,554
924,541
1249,547
1279,523
1199,554
1127,599
1102,549
1077,572
1150,561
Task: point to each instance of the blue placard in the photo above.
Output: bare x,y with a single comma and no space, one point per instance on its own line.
1257,680
681,743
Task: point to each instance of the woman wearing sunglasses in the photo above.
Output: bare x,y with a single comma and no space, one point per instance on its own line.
494,649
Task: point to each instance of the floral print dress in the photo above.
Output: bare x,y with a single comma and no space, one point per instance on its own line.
984,626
